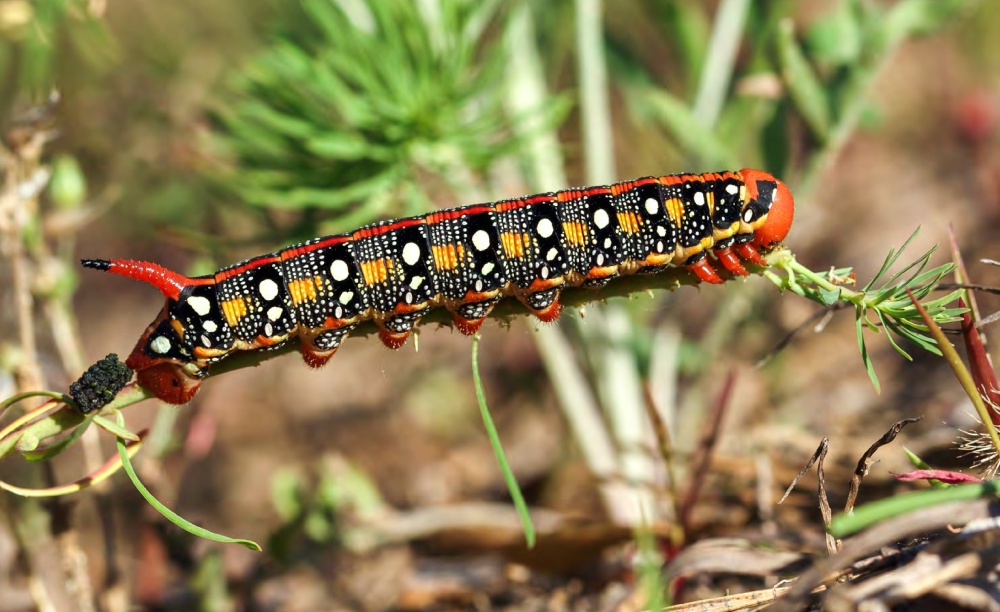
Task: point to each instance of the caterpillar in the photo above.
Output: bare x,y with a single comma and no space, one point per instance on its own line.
463,259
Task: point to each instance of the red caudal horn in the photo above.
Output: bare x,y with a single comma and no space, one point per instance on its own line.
169,283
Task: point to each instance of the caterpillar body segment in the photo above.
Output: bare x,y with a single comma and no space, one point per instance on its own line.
463,259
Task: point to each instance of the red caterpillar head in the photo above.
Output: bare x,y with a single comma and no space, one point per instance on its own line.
770,207
163,358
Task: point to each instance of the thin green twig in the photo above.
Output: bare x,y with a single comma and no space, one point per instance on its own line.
879,303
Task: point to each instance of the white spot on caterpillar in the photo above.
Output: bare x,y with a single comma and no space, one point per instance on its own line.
408,298
659,246
748,215
545,228
339,270
274,313
205,341
661,231
416,281
268,289
411,253
544,272
699,198
481,240
338,313
601,218
600,259
607,242
552,254
160,344
346,297
652,206
732,189
487,268
209,326
199,304
268,329
479,285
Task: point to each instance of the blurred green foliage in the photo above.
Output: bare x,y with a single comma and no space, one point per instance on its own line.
348,116
36,36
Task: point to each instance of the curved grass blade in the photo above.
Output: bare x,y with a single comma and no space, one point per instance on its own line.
169,514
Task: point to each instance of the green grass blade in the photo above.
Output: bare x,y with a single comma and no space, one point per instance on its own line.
491,432
169,514
844,525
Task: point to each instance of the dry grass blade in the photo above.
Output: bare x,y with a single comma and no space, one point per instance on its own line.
733,556
832,545
886,533
824,445
678,529
824,502
993,318
968,597
865,461
926,573
730,603
702,456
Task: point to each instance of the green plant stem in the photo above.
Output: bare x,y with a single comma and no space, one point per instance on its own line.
65,420
786,261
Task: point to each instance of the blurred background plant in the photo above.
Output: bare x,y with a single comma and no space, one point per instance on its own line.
212,131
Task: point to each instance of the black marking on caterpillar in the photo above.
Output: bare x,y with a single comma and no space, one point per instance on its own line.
463,259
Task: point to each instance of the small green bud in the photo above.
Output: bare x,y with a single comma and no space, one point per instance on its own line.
68,186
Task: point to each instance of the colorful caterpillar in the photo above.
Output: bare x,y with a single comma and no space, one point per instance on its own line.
464,259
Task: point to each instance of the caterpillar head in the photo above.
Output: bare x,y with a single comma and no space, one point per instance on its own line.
769,207
163,364
165,359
